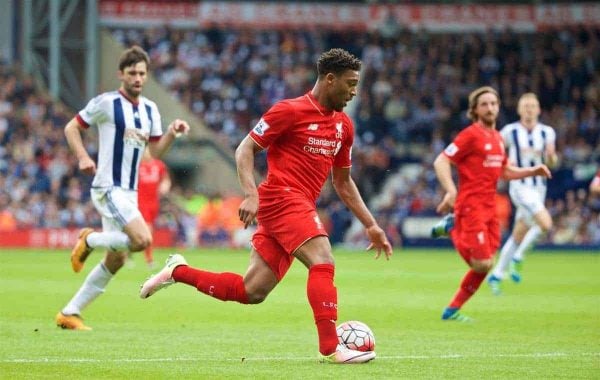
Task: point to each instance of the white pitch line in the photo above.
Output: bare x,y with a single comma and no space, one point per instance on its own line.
283,358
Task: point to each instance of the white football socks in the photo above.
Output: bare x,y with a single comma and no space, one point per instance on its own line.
92,287
506,255
111,240
530,237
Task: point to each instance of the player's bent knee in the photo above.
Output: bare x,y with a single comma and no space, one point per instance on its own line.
256,297
483,266
546,227
544,221
256,294
140,243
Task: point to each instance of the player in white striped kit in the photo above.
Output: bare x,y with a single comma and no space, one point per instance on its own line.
529,143
126,123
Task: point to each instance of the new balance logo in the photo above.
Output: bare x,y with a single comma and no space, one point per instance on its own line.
313,127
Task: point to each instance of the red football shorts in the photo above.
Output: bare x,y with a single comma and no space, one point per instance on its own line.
476,235
149,213
282,228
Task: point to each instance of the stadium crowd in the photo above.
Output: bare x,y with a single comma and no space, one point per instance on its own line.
412,101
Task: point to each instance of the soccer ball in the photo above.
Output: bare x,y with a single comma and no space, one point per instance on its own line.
356,336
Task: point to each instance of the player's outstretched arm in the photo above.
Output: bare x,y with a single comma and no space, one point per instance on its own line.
511,172
175,129
348,192
73,135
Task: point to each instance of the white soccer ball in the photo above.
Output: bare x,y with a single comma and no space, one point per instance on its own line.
356,336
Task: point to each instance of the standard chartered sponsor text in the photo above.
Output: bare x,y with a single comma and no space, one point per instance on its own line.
321,146
323,151
493,160
321,142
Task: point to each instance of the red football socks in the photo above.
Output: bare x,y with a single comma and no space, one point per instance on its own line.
224,286
322,296
469,285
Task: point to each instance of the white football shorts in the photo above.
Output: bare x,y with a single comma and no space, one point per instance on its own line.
528,201
117,206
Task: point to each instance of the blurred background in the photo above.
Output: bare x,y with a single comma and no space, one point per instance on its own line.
221,64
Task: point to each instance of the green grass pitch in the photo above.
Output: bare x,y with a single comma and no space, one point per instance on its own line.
546,327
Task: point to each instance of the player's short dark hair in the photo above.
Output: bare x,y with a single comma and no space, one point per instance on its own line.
474,97
132,56
337,61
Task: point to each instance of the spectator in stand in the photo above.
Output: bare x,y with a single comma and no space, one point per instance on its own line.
229,87
7,219
595,185
211,224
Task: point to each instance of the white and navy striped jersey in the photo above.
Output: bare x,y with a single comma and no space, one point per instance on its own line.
527,148
124,129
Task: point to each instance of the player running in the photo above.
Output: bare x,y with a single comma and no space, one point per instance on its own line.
479,156
529,143
306,138
127,122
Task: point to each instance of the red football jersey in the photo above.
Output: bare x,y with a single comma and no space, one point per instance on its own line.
478,153
304,142
151,173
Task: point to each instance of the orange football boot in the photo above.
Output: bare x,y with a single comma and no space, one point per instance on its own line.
81,250
71,322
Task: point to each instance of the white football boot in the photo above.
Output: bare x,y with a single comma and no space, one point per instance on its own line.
344,355
163,278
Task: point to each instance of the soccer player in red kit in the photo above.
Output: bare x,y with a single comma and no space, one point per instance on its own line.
479,156
306,138
153,182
